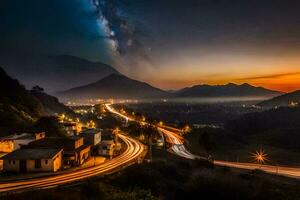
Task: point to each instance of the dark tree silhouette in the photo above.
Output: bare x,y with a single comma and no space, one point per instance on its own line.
37,89
50,125
149,130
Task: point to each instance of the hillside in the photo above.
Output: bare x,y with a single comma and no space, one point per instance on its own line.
51,104
55,73
20,108
282,100
114,86
228,90
276,130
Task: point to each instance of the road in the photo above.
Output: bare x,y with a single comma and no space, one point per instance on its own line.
132,153
179,149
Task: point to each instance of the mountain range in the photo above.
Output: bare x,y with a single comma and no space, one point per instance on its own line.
89,79
228,90
121,87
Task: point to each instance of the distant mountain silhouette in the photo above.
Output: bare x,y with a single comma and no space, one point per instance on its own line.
56,73
19,108
114,86
282,100
228,90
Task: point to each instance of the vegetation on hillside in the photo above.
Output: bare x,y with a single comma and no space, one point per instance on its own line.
276,131
20,109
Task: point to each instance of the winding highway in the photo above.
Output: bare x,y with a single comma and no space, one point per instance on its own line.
179,149
132,153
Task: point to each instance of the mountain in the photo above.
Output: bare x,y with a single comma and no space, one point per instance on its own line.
20,108
114,86
228,90
55,73
282,100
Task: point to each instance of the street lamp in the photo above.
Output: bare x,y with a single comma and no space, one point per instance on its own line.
260,156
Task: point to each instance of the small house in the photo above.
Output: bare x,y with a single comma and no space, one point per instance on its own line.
13,142
91,136
107,145
72,128
75,152
33,160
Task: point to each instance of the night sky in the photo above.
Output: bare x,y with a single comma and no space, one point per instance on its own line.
168,43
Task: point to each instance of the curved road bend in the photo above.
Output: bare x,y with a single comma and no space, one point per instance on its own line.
179,149
134,150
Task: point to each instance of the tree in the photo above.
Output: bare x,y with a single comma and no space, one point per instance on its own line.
50,125
150,131
37,89
134,129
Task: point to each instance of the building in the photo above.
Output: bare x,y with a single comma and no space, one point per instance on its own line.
106,148
33,160
72,128
13,142
107,145
75,152
91,136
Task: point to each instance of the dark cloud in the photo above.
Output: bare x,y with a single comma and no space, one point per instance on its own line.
270,76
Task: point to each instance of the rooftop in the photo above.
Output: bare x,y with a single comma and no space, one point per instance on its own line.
66,124
31,154
90,131
55,142
21,136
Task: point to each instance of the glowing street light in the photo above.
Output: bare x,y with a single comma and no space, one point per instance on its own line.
260,156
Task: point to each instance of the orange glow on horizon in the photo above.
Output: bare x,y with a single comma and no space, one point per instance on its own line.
273,71
284,83
288,82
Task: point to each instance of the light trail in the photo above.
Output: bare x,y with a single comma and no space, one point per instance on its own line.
132,153
110,109
179,149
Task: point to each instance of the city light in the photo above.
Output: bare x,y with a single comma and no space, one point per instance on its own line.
91,124
116,130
